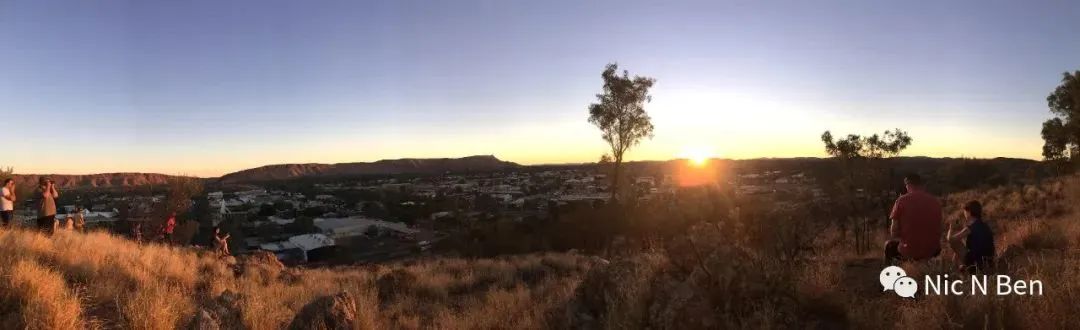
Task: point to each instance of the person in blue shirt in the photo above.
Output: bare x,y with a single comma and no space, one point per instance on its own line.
974,244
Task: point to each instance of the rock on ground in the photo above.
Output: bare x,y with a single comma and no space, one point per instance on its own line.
328,312
222,312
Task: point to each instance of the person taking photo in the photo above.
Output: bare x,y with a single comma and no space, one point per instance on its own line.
7,202
47,206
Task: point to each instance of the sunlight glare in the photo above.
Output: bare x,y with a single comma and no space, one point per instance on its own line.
697,155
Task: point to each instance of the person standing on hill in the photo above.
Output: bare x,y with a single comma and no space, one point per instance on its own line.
79,221
47,209
168,228
7,202
916,224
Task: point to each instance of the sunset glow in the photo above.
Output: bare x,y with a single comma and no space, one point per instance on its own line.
697,155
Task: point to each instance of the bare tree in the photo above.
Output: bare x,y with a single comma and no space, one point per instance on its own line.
620,115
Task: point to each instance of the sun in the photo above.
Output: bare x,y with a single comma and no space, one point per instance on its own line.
697,155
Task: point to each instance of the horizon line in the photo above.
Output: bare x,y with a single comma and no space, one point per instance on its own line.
520,164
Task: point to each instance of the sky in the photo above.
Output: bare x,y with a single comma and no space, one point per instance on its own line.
210,87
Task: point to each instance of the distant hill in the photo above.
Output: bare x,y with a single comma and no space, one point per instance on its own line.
484,164
382,167
104,180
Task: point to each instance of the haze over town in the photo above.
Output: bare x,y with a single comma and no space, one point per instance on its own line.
206,88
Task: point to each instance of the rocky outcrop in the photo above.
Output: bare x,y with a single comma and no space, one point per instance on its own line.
262,261
224,312
329,312
105,180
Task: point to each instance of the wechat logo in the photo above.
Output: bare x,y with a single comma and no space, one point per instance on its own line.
896,279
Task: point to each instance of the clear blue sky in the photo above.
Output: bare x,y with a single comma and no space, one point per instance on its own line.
207,87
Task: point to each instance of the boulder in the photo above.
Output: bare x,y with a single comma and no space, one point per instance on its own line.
261,264
263,258
328,312
222,312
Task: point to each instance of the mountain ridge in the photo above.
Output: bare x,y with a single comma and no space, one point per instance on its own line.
99,180
483,163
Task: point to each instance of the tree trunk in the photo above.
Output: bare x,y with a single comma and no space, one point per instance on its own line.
615,179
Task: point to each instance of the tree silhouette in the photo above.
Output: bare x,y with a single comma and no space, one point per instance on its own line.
889,144
182,190
864,186
1061,134
620,115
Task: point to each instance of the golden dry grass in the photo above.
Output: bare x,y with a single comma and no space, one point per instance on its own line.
45,300
725,279
1037,230
74,281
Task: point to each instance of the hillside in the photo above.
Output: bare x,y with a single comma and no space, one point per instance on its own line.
104,180
382,167
75,281
725,280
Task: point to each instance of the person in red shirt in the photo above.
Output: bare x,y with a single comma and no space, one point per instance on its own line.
916,224
168,228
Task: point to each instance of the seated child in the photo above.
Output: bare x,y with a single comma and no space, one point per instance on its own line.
974,244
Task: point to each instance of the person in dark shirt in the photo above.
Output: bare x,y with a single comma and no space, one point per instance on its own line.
974,244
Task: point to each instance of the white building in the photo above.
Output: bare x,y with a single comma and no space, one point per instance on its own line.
280,221
298,245
356,226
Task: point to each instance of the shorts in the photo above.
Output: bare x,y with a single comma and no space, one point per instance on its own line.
6,216
892,252
45,224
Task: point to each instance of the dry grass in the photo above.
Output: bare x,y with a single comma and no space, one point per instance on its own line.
73,281
726,280
44,301
1037,229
